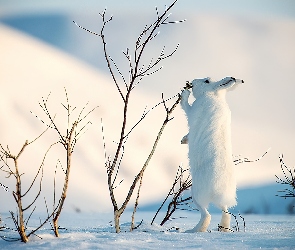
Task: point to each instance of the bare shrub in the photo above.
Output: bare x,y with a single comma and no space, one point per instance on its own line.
13,170
75,129
137,71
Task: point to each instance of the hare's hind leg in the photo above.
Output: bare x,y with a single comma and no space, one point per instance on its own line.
204,221
225,220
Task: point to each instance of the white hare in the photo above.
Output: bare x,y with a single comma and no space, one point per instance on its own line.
210,149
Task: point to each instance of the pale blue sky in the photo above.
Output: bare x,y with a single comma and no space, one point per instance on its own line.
270,8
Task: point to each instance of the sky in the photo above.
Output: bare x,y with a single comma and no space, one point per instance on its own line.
273,8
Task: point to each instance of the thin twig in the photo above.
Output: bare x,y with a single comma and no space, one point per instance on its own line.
246,160
289,180
136,205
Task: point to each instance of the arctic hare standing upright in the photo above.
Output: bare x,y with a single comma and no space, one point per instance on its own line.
210,149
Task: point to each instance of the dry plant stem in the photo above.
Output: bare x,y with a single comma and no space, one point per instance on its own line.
66,182
135,205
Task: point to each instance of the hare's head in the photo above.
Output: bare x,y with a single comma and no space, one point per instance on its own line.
205,85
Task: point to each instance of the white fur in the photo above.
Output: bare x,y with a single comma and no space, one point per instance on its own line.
210,149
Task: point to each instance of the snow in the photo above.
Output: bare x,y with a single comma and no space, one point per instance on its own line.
93,231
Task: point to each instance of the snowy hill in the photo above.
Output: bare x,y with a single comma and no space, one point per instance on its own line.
260,51
251,200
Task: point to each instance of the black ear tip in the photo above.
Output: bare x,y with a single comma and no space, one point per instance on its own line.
233,78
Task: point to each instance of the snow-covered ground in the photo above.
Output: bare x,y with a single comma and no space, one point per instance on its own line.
93,231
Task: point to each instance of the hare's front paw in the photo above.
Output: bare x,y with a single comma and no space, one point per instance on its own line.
185,94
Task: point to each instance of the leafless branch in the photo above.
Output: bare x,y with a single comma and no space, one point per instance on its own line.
89,31
40,169
246,160
137,71
235,228
289,179
4,187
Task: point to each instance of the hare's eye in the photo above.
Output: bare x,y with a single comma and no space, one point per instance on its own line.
207,81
